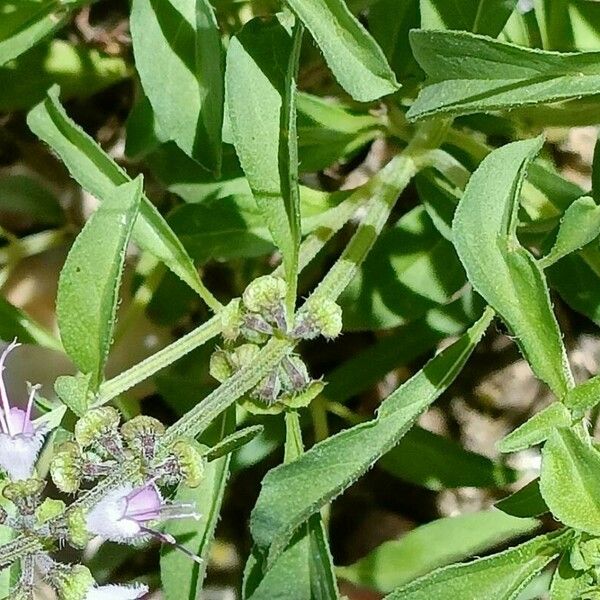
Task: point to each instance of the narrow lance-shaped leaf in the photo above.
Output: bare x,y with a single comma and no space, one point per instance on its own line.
28,23
500,576
579,226
470,73
356,60
291,493
184,80
569,481
97,173
181,577
537,428
434,545
304,571
260,80
487,17
501,270
89,283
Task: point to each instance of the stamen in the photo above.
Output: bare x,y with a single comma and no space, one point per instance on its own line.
3,393
169,539
32,390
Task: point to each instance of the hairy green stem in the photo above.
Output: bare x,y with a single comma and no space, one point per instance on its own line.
121,383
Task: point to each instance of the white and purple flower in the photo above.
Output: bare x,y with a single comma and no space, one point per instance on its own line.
125,513
20,439
117,592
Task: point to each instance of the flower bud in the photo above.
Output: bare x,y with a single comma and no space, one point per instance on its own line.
231,320
49,509
264,294
243,356
24,494
294,374
66,467
77,531
74,584
322,317
268,389
190,462
219,366
142,434
95,424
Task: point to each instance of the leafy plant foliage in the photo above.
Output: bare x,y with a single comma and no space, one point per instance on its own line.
288,234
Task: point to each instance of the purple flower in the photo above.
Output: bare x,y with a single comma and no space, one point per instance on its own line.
124,514
20,439
117,592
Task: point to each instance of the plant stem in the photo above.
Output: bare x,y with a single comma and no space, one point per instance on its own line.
121,383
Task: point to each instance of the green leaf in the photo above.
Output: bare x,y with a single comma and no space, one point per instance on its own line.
297,574
291,493
576,277
23,200
304,570
487,17
23,23
260,82
97,173
234,442
184,81
584,396
569,481
354,57
567,583
470,73
392,34
14,323
79,70
501,270
88,288
412,340
537,428
330,132
500,576
206,229
434,545
181,577
438,463
73,391
410,270
526,502
579,226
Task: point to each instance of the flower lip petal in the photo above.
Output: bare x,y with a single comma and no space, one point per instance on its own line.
117,592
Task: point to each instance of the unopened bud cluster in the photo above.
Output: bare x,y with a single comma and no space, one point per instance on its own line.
100,444
251,321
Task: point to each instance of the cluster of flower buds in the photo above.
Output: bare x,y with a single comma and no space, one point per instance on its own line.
100,444
259,315
125,514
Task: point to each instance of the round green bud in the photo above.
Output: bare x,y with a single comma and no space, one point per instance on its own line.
96,423
231,320
20,490
66,467
322,317
74,584
140,426
294,374
219,366
77,528
264,294
243,356
49,509
190,462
